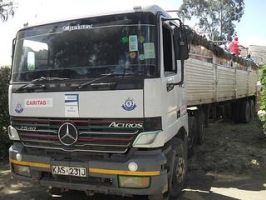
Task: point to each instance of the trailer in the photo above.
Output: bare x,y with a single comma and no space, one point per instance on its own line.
114,103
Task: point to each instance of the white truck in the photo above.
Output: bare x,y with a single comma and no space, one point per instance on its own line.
114,103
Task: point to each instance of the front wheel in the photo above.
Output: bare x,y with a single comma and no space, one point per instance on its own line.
177,180
177,162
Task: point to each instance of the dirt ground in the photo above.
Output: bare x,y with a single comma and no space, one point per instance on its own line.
230,165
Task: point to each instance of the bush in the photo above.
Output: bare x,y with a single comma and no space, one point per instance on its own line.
263,93
262,112
4,115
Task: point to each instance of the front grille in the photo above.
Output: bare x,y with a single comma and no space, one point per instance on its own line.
94,135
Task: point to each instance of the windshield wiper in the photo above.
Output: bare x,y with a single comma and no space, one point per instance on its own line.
111,85
97,79
33,84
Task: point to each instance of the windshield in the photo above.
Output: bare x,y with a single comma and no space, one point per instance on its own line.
87,48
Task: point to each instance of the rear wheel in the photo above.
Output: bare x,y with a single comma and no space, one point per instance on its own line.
236,111
252,109
192,124
206,111
245,111
200,127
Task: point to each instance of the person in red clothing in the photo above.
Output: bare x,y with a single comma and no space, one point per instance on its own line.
234,46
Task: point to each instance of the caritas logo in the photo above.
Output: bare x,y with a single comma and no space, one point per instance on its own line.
43,103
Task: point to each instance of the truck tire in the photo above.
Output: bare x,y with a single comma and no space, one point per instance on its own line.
177,163
192,125
235,107
206,110
180,168
252,109
200,127
245,111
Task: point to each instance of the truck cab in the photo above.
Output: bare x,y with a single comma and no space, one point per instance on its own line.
100,101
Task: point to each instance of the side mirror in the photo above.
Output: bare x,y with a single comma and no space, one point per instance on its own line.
181,43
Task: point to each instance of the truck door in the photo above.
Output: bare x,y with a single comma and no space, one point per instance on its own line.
171,73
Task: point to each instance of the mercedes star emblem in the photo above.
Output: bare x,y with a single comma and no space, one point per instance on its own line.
68,134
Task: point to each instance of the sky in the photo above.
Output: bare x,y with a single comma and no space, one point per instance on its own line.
251,30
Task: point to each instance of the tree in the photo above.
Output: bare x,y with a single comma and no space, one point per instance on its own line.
216,17
6,9
4,115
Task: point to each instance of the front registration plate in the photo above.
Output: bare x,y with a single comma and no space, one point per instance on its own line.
69,171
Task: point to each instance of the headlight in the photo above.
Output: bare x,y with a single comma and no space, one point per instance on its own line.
145,138
12,133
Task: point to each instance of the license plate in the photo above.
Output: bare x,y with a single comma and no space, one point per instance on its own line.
69,171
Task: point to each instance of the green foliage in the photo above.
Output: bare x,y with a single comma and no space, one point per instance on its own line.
215,17
4,115
6,9
263,93
262,112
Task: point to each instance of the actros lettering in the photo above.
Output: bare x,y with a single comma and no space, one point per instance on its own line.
125,125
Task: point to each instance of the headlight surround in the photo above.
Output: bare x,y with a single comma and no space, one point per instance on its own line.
145,138
12,133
